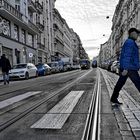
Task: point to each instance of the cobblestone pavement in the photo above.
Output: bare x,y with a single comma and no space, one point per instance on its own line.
128,114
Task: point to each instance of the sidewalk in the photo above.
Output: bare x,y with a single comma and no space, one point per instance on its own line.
118,123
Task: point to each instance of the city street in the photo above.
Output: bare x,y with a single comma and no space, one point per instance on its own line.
16,119
59,64
42,95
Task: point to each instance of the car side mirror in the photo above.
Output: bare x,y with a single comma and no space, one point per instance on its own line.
28,67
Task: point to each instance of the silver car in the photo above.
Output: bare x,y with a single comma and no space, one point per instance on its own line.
23,71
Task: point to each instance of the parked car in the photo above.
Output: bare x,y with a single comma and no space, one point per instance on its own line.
109,65
115,67
23,71
43,69
74,67
54,67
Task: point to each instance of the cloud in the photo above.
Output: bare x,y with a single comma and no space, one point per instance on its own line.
88,19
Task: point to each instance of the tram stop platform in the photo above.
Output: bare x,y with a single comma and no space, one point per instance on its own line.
119,122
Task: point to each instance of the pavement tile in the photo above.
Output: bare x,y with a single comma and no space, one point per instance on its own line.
134,124
138,117
137,133
127,133
128,138
130,116
120,118
124,126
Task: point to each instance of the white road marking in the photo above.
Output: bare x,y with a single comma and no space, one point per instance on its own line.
18,98
57,116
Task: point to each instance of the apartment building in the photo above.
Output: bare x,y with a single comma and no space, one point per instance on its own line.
127,15
78,50
68,49
34,31
49,33
58,36
18,32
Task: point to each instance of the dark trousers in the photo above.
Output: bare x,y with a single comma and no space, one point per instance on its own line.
135,78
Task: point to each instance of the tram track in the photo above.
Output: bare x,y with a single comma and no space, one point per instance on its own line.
39,103
91,130
14,87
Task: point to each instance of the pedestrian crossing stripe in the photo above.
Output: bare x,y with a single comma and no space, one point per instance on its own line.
18,98
57,116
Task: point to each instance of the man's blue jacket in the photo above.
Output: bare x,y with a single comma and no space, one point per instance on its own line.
129,59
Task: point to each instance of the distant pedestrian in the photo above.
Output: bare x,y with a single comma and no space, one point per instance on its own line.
129,64
5,67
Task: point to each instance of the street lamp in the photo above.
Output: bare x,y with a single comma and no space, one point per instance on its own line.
107,17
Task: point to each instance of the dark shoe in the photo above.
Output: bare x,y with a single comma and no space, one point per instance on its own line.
8,81
116,102
4,83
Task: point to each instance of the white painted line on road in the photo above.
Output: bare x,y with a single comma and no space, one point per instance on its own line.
57,116
18,98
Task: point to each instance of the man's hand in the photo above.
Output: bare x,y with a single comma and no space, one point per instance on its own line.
124,72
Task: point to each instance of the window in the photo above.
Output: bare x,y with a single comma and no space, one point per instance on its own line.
24,7
30,39
5,26
23,36
17,4
16,33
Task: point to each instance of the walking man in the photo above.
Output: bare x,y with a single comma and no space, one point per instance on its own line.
129,64
5,66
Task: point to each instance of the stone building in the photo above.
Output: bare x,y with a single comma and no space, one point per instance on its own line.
18,32
58,35
127,15
26,33
68,49
34,31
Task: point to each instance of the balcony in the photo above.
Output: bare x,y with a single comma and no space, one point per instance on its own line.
41,46
39,7
12,14
40,26
33,26
9,11
31,6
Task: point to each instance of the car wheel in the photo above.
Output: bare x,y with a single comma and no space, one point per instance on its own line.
44,73
36,74
26,75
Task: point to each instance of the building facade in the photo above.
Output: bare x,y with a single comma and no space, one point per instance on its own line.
34,31
126,15
58,36
18,30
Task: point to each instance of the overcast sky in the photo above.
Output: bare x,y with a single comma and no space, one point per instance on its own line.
88,19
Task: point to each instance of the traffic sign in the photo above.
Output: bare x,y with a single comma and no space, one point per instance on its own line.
30,54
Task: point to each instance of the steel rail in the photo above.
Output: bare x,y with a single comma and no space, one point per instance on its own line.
36,105
91,130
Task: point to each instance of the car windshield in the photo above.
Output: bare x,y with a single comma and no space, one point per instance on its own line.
19,66
39,66
84,62
52,64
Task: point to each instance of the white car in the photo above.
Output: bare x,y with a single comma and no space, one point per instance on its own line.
23,71
115,67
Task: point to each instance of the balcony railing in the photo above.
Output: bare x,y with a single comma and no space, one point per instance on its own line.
33,26
12,10
40,26
39,7
41,46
